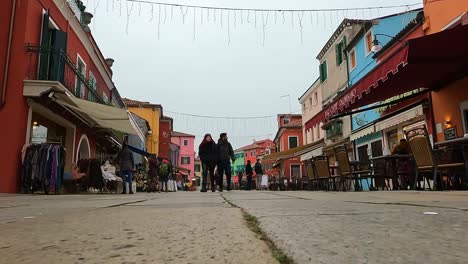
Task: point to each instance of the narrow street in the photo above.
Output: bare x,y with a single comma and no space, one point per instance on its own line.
191,227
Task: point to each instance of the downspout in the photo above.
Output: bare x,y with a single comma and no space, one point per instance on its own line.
7,59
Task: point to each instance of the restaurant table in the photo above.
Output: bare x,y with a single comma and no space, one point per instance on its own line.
393,159
458,143
355,166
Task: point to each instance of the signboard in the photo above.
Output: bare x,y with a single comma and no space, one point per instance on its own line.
450,133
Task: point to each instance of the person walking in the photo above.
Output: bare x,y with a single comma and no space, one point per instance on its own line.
225,154
153,163
249,172
208,156
127,166
164,171
258,174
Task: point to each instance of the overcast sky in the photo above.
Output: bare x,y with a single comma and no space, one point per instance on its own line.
194,68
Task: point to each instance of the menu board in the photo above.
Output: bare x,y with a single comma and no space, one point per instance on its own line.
450,133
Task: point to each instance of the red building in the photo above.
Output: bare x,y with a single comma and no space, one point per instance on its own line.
165,129
288,137
257,150
56,86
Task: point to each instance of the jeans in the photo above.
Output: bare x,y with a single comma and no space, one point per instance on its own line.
224,167
208,167
126,177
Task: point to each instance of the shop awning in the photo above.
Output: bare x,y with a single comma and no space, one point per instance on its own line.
96,115
426,62
309,155
294,152
400,118
363,132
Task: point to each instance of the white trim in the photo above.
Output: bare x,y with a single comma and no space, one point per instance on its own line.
453,22
365,43
84,136
300,169
289,145
463,108
350,60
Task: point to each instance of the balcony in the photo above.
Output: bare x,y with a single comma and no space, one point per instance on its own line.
56,65
334,129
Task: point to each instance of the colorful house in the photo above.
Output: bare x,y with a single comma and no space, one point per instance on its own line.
186,158
56,86
165,129
152,113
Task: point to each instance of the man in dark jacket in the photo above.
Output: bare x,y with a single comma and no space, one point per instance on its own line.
225,154
258,174
249,172
127,166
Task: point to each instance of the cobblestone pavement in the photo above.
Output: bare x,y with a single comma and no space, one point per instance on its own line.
193,227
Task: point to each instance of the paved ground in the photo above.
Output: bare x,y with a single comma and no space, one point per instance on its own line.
310,227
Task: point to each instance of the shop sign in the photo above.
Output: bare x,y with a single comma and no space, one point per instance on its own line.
450,133
341,103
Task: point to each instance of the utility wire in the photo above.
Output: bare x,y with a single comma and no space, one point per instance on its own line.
278,10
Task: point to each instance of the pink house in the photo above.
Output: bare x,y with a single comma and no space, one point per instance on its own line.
186,159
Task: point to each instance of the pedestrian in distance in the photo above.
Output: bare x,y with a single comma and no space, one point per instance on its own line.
127,167
258,174
165,169
208,156
152,181
225,155
249,172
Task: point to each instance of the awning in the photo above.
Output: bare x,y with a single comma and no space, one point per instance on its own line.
309,155
96,115
363,132
400,118
294,152
426,62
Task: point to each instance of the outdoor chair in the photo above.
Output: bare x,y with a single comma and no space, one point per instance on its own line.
380,174
312,182
322,176
427,160
346,171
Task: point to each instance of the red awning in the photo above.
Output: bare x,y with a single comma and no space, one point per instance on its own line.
425,62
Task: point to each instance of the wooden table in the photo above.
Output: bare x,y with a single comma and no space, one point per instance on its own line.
392,159
458,143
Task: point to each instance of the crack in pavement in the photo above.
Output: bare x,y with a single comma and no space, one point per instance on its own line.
329,214
410,204
125,203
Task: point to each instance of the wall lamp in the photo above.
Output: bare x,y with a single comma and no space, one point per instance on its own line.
376,44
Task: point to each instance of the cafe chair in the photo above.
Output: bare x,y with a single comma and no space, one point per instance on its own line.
427,160
347,172
380,175
321,170
312,182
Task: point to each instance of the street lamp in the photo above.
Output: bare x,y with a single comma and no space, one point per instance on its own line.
376,44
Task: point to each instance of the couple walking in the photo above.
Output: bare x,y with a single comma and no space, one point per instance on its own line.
214,156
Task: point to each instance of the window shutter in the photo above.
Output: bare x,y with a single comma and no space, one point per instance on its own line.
321,72
45,49
325,74
58,51
339,53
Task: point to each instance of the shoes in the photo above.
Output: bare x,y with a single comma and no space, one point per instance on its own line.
130,192
124,193
203,190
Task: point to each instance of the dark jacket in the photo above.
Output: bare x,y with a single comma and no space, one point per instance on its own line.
258,168
248,169
208,152
125,159
225,151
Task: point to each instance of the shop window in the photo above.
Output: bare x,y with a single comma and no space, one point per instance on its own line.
197,168
369,43
185,160
296,171
46,131
352,59
392,139
293,142
362,153
376,148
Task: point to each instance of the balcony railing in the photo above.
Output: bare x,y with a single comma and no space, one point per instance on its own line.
59,67
77,7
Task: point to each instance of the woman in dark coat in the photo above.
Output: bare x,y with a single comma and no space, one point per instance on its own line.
208,156
153,174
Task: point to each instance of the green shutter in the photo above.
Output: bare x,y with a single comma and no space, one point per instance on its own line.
324,70
45,49
321,72
339,53
57,59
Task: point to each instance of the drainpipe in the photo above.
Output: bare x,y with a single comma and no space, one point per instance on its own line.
7,59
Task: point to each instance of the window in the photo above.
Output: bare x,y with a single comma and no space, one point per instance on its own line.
352,59
92,87
315,98
54,44
376,148
295,170
267,152
185,160
311,101
197,168
252,154
392,139
339,53
186,142
286,120
362,153
105,98
80,85
369,43
293,141
303,107
323,71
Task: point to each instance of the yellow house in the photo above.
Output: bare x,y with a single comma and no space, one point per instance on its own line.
152,113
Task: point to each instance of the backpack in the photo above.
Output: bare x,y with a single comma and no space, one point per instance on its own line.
164,169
